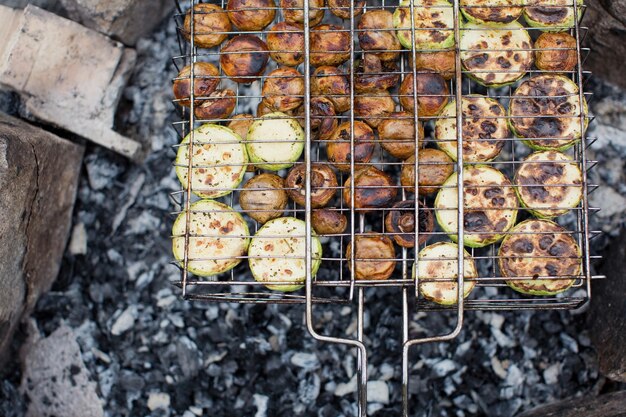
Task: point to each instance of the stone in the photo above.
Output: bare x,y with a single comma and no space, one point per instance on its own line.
78,241
606,39
38,180
607,312
124,321
66,75
608,405
378,392
158,400
308,361
124,20
55,378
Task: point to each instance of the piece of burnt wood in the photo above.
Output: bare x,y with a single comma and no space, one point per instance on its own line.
606,20
608,405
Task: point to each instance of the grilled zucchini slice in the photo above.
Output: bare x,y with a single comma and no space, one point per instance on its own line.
275,141
552,15
490,206
491,12
218,238
437,270
548,184
539,248
495,57
484,129
545,111
434,24
219,161
277,253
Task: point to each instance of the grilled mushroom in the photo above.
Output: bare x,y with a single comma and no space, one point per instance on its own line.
377,35
374,257
436,17
539,248
293,11
283,89
554,15
496,57
556,51
205,81
220,104
372,75
240,124
323,184
338,148
373,108
435,167
432,94
490,206
332,83
263,197
264,109
397,135
251,14
244,58
328,222
323,118
330,45
491,12
545,110
210,25
401,222
341,8
286,43
484,129
442,62
373,189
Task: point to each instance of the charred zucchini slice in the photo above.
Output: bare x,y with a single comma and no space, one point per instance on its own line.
545,110
219,161
434,24
549,184
495,57
539,248
218,238
490,206
277,254
437,270
556,15
484,129
491,12
275,141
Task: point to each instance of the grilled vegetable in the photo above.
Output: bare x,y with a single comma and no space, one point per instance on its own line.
205,81
490,206
263,109
554,15
341,8
374,257
556,51
401,221
491,12
286,43
293,11
263,197
432,94
484,129
210,25
377,36
435,167
244,58
397,135
496,57
330,45
323,118
328,222
373,108
218,238
219,161
339,151
539,248
373,189
220,104
545,111
323,184
283,89
275,141
442,62
251,14
277,254
332,83
438,271
240,124
435,16
371,75
549,184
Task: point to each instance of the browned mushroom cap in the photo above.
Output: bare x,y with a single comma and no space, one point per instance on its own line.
338,148
374,107
323,184
206,80
218,105
373,189
244,58
263,197
240,124
263,108
341,8
330,45
442,62
210,25
435,167
251,14
397,135
556,51
374,257
286,43
283,89
401,221
432,94
378,35
328,222
373,75
293,11
323,118
332,83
